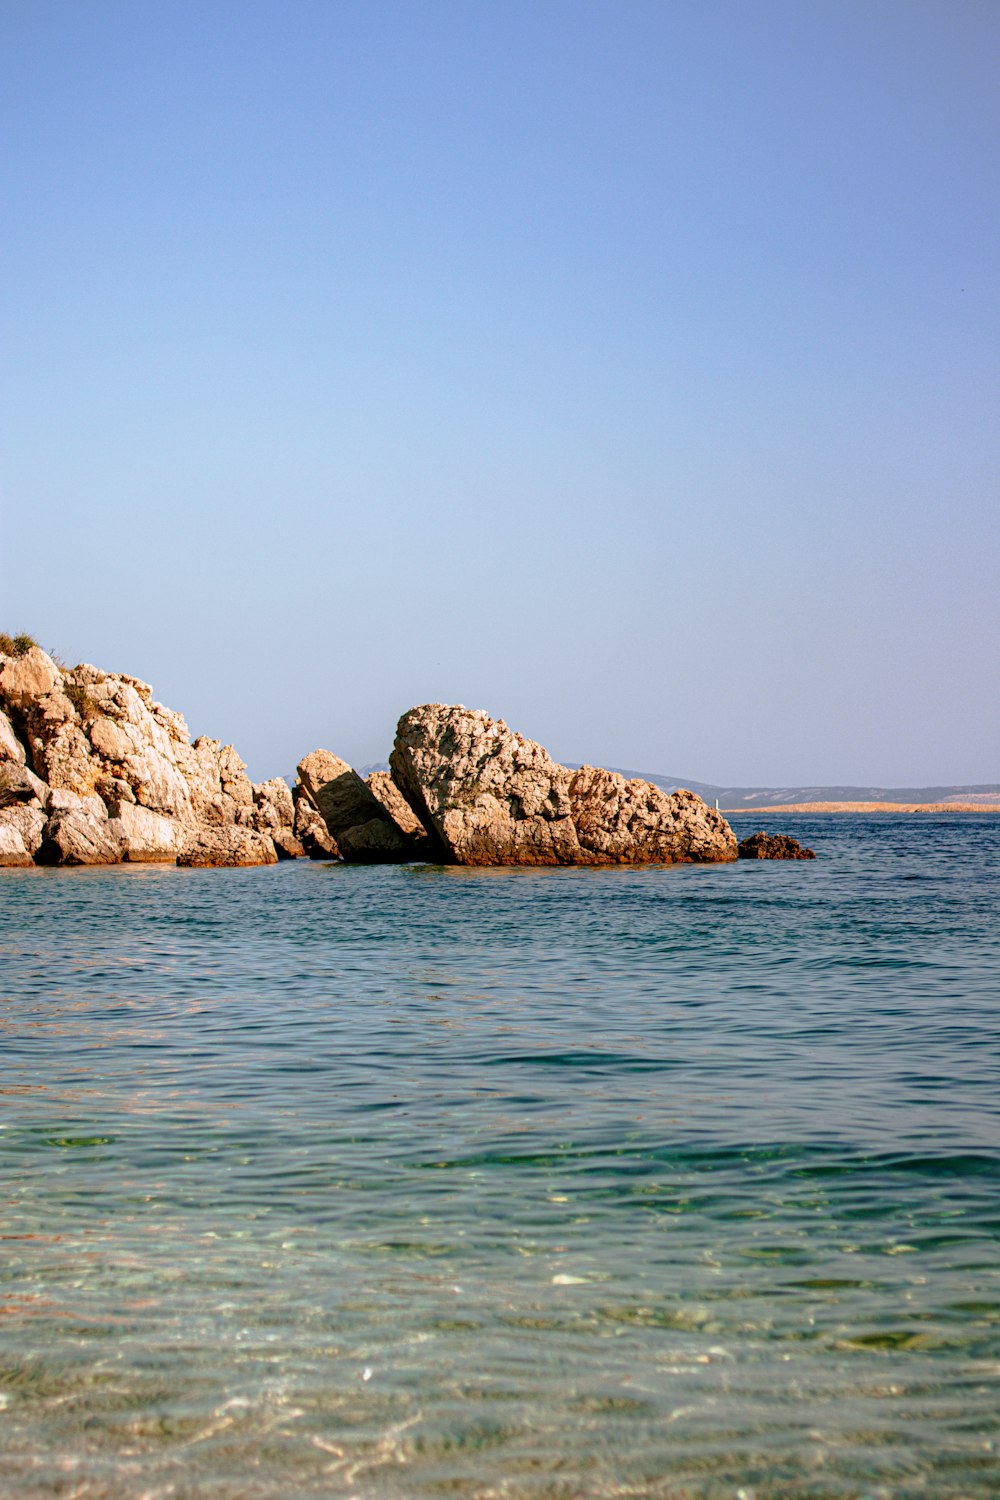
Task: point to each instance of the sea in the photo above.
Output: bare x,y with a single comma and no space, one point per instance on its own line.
413,1182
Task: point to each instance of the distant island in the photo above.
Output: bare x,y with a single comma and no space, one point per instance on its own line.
960,798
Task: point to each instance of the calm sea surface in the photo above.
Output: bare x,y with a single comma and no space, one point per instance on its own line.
421,1182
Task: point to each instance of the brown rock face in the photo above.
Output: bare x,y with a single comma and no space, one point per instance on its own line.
146,837
772,846
635,821
19,785
496,798
363,829
274,815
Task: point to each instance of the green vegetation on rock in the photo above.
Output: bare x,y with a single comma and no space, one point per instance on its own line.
15,645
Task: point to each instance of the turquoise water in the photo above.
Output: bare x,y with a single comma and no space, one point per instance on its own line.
428,1182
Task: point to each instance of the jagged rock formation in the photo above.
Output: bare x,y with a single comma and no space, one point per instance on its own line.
363,826
310,829
94,771
495,798
424,845
772,846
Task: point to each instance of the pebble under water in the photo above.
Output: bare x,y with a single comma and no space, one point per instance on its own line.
427,1182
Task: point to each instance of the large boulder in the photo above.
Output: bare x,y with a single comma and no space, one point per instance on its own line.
426,845
309,828
634,821
491,796
496,798
363,829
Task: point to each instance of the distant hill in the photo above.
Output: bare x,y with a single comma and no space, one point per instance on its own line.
735,798
746,798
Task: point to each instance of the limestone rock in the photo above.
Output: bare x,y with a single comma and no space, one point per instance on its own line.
229,845
364,830
19,785
491,796
11,748
635,821
426,845
496,798
12,848
28,821
74,837
274,815
286,845
273,800
772,846
112,790
100,743
25,679
145,837
59,800
310,829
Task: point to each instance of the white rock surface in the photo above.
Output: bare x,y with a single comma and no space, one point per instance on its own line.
12,848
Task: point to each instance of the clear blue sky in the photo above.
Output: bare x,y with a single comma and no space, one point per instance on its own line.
627,369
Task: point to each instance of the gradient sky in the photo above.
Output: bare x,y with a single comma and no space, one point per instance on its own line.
627,369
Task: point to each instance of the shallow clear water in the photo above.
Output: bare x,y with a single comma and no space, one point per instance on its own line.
423,1182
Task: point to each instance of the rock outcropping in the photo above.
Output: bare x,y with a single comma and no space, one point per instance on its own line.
495,798
94,771
772,846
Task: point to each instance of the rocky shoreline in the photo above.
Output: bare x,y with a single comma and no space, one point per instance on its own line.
94,771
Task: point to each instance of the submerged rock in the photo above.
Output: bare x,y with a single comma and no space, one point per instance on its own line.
496,798
772,846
